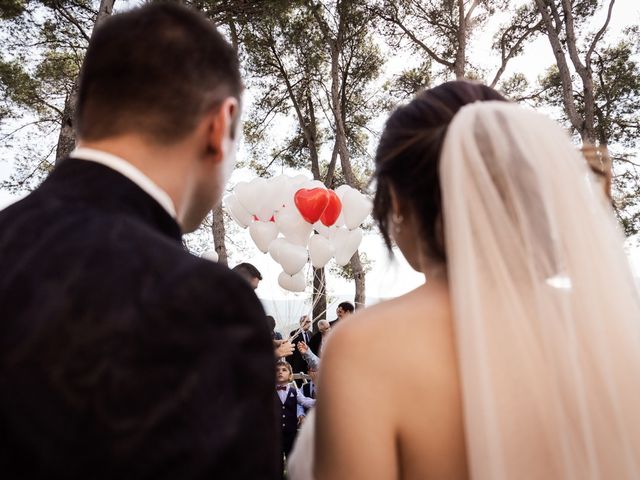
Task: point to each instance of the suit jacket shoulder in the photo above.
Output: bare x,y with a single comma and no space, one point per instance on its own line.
120,352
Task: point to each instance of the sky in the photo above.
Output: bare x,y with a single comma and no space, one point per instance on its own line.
388,277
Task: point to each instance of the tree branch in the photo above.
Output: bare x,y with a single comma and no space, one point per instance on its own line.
561,61
420,43
512,51
62,11
571,39
598,36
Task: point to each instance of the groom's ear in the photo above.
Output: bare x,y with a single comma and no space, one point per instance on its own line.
223,125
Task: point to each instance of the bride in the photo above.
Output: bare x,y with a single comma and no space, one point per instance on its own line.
519,358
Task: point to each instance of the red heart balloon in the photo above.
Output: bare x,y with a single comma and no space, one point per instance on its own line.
332,212
311,203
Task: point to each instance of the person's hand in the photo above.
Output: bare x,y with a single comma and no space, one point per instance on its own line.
300,420
285,349
303,347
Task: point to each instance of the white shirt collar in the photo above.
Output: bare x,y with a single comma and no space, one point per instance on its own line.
132,173
283,394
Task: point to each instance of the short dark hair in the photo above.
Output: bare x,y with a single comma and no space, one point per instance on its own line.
248,271
347,307
154,70
408,157
271,322
287,365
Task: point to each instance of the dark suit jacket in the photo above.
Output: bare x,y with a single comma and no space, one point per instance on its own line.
306,390
295,359
122,355
316,343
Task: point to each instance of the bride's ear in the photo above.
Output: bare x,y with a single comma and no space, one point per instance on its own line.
398,207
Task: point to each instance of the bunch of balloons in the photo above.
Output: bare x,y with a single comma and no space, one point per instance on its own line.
297,221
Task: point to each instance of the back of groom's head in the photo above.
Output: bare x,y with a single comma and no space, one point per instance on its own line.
154,71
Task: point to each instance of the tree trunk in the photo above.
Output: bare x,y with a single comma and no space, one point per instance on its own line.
341,134
218,231
67,137
551,31
217,214
461,60
319,297
336,45
359,279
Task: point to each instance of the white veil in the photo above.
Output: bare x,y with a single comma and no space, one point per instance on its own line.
547,317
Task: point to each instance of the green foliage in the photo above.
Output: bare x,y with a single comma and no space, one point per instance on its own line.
626,191
616,74
18,86
42,44
57,69
346,271
441,30
287,57
515,86
617,90
10,9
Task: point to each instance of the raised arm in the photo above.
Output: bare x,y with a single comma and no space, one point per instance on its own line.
313,361
306,402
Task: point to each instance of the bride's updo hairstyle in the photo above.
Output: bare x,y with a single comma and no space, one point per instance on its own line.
408,157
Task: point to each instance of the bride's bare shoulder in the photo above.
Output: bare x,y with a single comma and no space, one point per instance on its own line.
411,324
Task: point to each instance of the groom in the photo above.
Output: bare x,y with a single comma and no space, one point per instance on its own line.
122,355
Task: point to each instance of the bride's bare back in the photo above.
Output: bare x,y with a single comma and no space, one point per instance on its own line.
546,310
390,402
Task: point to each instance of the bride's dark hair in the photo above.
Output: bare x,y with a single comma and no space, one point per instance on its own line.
408,156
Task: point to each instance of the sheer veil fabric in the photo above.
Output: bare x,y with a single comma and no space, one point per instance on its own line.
547,317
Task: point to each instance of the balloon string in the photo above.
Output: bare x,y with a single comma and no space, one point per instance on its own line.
315,290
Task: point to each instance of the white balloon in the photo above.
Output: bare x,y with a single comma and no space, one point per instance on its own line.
295,184
341,190
295,283
346,242
274,248
326,232
271,192
263,233
292,257
320,250
355,208
299,179
314,184
252,195
295,228
242,191
237,211
210,255
282,186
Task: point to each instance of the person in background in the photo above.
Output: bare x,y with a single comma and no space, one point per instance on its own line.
120,353
309,389
250,273
282,348
291,404
344,310
302,335
315,344
313,361
272,327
